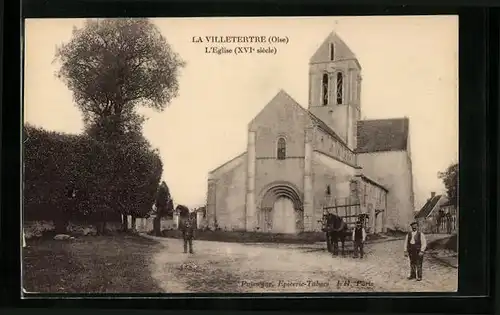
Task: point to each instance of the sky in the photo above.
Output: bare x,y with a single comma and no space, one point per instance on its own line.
410,68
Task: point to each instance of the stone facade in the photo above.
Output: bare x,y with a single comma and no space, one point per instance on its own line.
226,200
300,161
398,180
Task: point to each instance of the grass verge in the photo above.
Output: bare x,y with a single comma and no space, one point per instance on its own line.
102,264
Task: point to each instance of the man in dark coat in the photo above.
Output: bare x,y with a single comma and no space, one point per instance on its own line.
415,245
187,227
358,238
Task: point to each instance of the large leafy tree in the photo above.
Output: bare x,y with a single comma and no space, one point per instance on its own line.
110,182
112,66
450,181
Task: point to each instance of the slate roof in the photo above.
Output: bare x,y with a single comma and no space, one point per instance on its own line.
382,135
427,208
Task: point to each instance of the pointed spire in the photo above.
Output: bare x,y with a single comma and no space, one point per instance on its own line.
333,47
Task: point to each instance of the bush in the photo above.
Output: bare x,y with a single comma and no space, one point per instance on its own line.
109,179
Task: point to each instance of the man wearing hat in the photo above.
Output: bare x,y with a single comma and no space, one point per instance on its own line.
415,245
187,227
358,237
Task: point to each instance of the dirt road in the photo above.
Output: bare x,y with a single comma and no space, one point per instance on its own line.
218,267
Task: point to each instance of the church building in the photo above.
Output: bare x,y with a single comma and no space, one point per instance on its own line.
301,162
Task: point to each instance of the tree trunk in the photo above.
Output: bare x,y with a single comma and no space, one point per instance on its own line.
134,219
157,226
61,223
101,227
125,223
104,232
60,226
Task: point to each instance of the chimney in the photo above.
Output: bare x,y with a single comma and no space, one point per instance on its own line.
433,194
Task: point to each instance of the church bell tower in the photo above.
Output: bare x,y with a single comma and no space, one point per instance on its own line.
335,88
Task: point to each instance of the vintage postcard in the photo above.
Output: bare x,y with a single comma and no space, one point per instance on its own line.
240,155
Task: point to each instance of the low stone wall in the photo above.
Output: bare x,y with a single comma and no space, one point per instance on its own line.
201,223
146,225
142,225
38,228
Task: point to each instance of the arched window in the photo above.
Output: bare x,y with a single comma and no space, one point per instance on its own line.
281,154
324,89
332,52
340,85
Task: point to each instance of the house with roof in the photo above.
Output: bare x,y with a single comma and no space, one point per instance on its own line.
431,217
300,160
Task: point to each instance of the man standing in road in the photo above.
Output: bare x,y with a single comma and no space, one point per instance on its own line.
415,245
358,237
187,227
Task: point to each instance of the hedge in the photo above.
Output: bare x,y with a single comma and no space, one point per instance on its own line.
108,179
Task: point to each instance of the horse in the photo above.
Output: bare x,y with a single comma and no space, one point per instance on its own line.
336,230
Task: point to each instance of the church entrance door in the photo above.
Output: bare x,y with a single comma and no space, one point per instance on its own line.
284,216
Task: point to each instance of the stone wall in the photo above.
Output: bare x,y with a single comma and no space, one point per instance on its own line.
146,225
201,221
329,173
269,125
227,207
373,202
37,228
226,195
393,170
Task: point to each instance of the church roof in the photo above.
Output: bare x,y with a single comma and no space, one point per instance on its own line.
226,163
428,207
382,135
